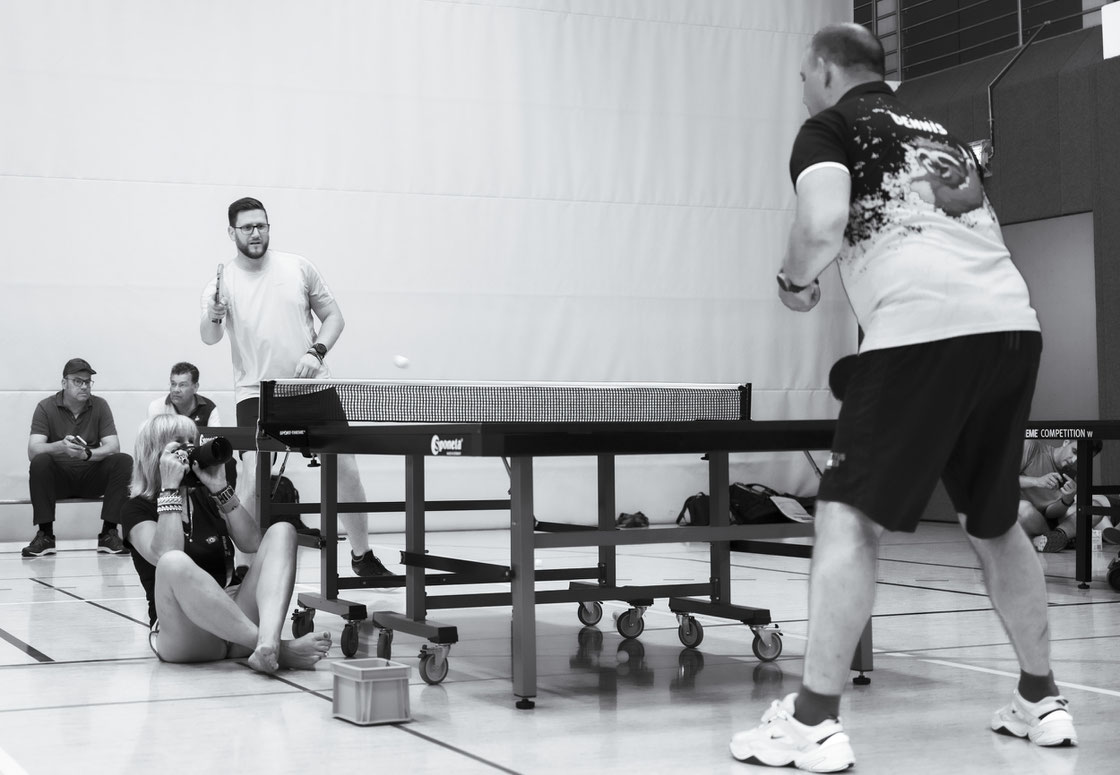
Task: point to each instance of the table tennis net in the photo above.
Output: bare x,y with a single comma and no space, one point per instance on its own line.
381,402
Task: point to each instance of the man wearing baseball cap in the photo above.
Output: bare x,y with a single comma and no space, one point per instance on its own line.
75,453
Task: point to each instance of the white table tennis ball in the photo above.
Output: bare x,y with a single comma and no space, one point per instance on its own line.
400,361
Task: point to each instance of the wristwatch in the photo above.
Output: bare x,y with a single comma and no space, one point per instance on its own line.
89,453
319,350
785,284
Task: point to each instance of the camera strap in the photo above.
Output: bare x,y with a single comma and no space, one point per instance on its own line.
276,480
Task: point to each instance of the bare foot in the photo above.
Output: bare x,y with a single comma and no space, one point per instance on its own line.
303,653
265,659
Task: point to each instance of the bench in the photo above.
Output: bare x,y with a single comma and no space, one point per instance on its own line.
69,523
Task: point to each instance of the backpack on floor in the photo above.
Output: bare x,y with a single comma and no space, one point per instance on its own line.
695,509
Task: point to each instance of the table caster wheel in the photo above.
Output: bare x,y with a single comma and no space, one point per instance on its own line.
350,639
691,632
589,613
768,648
303,621
433,666
630,624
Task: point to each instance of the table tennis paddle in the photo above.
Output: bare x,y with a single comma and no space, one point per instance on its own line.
840,375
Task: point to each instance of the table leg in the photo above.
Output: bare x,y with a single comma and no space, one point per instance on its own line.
416,604
719,513
328,528
608,563
523,638
1082,542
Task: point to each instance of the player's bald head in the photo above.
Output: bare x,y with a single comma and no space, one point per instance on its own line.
850,47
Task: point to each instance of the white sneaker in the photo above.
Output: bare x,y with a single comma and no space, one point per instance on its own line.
1046,722
781,740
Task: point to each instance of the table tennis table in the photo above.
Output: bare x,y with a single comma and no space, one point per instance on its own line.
520,422
425,428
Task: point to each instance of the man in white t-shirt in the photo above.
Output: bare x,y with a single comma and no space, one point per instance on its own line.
268,302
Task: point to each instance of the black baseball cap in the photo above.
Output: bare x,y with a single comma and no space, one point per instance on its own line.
74,365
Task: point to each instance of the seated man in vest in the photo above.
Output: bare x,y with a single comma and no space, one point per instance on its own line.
75,453
183,398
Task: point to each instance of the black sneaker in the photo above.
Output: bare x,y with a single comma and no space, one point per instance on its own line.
110,543
306,530
301,529
637,519
368,566
41,544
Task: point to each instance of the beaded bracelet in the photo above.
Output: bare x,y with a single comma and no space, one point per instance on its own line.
168,504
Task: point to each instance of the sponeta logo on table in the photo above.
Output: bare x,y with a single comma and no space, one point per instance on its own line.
447,446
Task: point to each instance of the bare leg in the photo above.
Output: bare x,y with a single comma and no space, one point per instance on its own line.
1013,576
841,593
350,490
248,493
266,592
198,618
1031,520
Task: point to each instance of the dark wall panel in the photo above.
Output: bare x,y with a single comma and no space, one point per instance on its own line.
1027,159
1106,227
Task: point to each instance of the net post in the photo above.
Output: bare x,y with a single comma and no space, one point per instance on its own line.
745,401
268,386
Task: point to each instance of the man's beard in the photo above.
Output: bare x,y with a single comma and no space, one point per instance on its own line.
249,250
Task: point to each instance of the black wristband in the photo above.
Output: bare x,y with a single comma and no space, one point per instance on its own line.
89,453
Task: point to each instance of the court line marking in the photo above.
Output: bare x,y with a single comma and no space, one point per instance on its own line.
992,671
90,602
9,766
26,648
402,727
974,668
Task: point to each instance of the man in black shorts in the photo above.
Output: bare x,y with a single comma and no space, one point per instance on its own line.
941,389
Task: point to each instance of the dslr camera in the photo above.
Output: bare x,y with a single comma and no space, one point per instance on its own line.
214,452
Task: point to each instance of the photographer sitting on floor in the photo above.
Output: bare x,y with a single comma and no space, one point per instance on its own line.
180,522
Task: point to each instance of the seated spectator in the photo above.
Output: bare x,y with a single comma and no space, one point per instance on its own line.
1048,490
183,398
75,453
182,523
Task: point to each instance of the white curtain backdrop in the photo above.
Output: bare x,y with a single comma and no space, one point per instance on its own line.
567,190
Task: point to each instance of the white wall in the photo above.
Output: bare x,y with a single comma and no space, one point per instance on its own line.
1056,258
572,190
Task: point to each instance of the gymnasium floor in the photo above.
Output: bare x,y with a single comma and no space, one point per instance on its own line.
81,692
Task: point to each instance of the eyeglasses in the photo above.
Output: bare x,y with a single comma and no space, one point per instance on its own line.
76,382
247,229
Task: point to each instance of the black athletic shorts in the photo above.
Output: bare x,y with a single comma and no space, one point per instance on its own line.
953,409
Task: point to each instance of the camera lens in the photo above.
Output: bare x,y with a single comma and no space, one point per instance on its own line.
217,451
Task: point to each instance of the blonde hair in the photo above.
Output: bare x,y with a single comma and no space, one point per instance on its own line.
153,437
